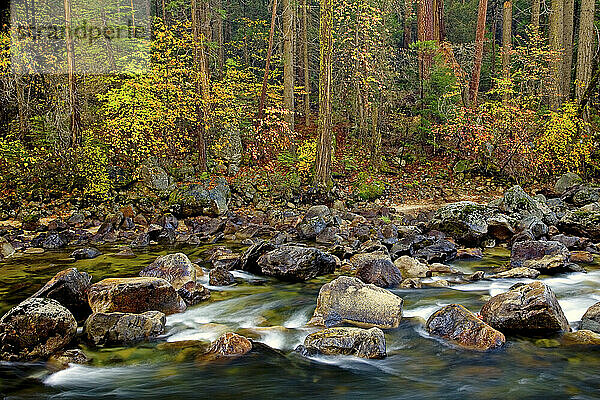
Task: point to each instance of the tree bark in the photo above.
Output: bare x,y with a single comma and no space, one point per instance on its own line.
568,16
506,42
219,33
325,128
556,45
200,28
306,62
535,14
75,118
288,61
408,10
263,95
585,48
479,37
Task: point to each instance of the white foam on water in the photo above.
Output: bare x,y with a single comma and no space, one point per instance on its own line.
77,375
247,276
575,307
299,318
423,312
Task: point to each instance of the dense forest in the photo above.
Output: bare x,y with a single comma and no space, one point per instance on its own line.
298,95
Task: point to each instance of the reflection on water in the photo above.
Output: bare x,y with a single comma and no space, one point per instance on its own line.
274,314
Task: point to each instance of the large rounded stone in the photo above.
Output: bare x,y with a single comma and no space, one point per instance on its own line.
230,345
69,288
465,221
547,256
177,269
531,308
591,319
114,329
567,181
135,295
412,268
581,223
36,328
349,300
376,268
364,343
296,263
460,326
580,338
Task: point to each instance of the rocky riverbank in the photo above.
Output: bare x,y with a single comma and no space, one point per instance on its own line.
371,250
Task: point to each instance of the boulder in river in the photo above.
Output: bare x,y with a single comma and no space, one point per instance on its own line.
581,223
525,308
519,205
201,199
376,268
535,250
35,329
441,251
6,248
135,295
591,319
364,343
462,327
412,268
314,222
465,221
193,293
296,263
348,300
69,288
219,276
581,337
519,272
567,181
86,253
62,359
229,345
177,269
115,329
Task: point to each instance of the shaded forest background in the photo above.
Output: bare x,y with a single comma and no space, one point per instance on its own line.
501,89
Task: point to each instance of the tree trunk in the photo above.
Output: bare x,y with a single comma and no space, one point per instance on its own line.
556,44
425,33
325,128
200,27
408,10
219,33
288,61
585,47
439,29
479,37
568,15
506,42
306,63
75,118
263,95
535,14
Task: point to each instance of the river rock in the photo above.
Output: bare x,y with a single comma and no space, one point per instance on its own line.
412,268
87,253
135,295
581,223
525,308
6,249
519,204
500,227
248,261
69,288
580,338
349,300
536,250
314,222
35,329
200,199
376,268
230,345
591,319
462,327
364,343
465,221
519,272
177,269
115,329
441,251
193,293
64,358
296,263
584,257
567,181
220,277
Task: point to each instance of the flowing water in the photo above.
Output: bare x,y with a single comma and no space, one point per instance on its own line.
274,313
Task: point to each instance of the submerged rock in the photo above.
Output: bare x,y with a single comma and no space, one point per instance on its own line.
460,326
177,269
114,329
296,263
69,288
86,253
349,300
35,329
525,308
62,359
591,319
581,338
135,295
364,343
